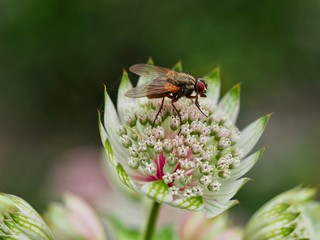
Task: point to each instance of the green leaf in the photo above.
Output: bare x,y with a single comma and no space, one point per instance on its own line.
165,233
214,85
158,191
251,134
122,231
230,103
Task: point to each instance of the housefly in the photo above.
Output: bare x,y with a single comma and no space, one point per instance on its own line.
164,82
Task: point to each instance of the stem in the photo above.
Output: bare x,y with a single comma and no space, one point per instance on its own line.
151,224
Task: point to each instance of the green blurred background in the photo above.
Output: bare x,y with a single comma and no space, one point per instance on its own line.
55,56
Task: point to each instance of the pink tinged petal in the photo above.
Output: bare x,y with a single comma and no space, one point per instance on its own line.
160,162
232,233
83,218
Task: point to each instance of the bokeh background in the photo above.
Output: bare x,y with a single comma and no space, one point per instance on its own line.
55,56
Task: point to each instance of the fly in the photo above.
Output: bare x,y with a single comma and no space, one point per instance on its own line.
168,83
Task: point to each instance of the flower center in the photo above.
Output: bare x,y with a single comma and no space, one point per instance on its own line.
191,162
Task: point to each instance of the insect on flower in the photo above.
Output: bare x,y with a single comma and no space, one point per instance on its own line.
164,82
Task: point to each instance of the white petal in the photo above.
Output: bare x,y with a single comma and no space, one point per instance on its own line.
111,123
213,81
251,134
230,103
103,133
213,208
158,191
124,104
111,119
227,191
105,142
246,165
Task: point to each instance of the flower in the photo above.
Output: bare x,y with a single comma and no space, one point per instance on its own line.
290,215
74,219
195,164
18,220
196,226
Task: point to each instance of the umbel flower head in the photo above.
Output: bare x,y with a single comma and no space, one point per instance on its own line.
195,164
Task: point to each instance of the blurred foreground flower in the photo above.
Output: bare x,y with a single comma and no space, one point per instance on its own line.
290,215
198,169
18,220
74,220
196,226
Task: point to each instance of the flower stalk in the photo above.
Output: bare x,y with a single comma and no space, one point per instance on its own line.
152,221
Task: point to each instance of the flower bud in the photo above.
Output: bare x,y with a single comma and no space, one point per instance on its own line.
133,162
125,141
158,147
18,220
214,186
174,123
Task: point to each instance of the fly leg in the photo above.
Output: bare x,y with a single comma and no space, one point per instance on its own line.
196,103
172,103
174,99
198,106
161,106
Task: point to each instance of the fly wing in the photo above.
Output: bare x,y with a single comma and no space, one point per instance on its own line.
149,71
158,86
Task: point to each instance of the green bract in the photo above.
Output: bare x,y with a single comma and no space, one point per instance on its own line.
290,215
198,169
18,220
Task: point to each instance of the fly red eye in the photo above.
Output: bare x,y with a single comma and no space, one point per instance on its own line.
200,87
